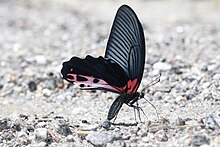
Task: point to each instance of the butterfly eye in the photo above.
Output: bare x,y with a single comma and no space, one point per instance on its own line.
96,80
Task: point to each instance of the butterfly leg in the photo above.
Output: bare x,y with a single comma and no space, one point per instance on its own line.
138,111
135,117
136,107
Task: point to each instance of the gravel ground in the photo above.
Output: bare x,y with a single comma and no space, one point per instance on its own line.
38,108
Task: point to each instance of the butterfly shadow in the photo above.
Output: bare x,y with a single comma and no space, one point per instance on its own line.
125,124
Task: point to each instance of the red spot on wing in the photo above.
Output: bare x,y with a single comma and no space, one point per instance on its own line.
132,86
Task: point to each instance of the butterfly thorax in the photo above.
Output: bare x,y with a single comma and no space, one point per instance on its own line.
131,98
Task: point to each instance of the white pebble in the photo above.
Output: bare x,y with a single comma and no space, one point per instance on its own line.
145,139
41,144
69,138
41,125
46,92
161,136
40,134
162,66
40,59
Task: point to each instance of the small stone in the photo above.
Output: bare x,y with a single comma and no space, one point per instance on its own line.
69,138
162,66
181,100
59,83
41,134
63,127
41,124
210,122
7,135
176,121
158,95
32,86
145,139
80,132
46,92
3,123
199,140
212,67
85,122
161,136
106,124
41,144
21,134
40,59
179,29
101,138
1,86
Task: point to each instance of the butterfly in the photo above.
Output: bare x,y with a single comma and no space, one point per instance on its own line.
120,70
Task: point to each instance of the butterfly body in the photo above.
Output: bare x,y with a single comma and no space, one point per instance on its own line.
121,69
128,99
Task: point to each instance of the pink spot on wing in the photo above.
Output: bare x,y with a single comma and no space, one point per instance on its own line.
130,87
71,77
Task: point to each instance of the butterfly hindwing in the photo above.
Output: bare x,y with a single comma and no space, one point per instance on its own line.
126,46
95,73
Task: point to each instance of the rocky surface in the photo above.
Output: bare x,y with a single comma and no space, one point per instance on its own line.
38,108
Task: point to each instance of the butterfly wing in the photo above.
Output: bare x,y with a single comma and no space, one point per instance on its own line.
95,73
126,46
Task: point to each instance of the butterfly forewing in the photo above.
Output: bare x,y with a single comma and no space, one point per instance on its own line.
126,46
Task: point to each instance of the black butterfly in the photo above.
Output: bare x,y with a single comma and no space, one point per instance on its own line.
121,69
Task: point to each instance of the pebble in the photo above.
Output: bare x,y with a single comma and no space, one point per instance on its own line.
106,124
40,59
32,86
162,66
80,132
41,124
21,134
46,92
199,140
181,100
212,67
176,121
210,122
63,127
41,134
100,138
161,136
145,139
69,138
3,123
40,144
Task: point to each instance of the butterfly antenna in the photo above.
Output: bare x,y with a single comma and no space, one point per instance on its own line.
158,118
155,81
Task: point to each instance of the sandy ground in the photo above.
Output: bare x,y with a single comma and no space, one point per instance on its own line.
183,44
